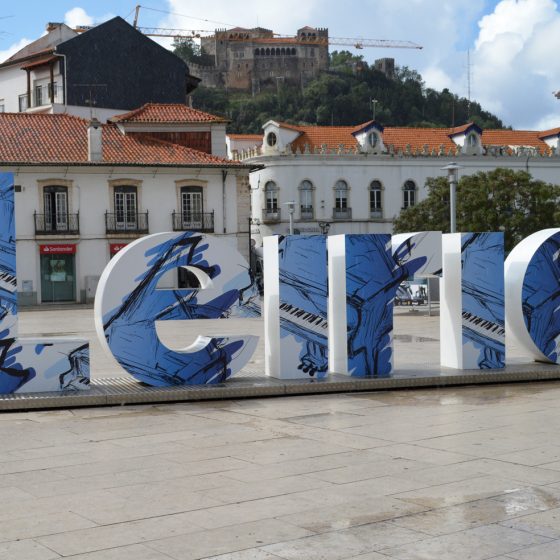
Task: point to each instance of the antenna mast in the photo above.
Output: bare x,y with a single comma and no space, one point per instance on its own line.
469,82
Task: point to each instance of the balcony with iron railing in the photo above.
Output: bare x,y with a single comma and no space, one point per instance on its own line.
271,214
57,224
342,213
193,221
126,223
306,212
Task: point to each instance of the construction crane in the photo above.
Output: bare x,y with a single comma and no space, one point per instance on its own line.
357,43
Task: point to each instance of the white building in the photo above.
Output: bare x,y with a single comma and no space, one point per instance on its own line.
111,67
85,189
357,179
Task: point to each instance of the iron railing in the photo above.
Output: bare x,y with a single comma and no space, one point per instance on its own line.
57,224
342,213
271,215
193,221
126,223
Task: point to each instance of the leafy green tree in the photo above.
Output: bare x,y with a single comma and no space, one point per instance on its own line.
499,200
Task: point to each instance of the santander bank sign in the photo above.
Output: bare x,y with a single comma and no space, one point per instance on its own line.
328,305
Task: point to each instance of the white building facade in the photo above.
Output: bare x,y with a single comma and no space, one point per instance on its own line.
84,190
358,179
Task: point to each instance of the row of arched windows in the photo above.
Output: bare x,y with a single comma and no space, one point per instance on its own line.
275,52
341,190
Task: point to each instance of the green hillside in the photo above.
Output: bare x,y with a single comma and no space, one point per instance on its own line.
342,96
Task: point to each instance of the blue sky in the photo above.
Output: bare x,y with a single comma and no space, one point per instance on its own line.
513,44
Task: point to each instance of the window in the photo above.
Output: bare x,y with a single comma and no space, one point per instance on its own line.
38,96
409,194
372,139
271,196
126,208
341,209
472,141
306,199
191,208
271,139
375,204
55,204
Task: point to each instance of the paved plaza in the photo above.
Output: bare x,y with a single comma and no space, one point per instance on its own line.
456,473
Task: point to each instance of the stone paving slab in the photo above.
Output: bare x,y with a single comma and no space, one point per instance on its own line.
416,343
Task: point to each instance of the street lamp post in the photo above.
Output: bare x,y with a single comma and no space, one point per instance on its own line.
452,175
291,209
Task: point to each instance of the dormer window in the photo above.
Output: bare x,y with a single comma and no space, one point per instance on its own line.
271,139
373,139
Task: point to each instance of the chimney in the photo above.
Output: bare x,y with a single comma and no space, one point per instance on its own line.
95,146
52,25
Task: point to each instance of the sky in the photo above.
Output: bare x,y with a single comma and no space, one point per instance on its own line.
512,45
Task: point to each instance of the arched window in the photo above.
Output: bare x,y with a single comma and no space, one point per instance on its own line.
472,140
283,51
375,201
306,200
257,52
409,194
341,209
271,197
277,52
267,52
293,52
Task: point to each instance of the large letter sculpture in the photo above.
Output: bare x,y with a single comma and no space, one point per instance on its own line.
533,295
128,304
295,306
365,272
472,301
30,364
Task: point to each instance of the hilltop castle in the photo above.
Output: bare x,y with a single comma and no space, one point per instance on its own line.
246,59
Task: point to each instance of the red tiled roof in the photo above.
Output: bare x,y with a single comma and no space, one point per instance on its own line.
317,136
548,133
167,113
59,138
513,138
246,136
416,138
40,62
459,129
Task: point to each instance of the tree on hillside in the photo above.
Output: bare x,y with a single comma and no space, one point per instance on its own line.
499,200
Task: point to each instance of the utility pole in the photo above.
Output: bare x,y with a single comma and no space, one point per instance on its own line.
373,102
135,24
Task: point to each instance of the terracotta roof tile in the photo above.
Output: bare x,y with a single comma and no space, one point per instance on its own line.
416,138
167,113
246,136
60,138
551,132
513,138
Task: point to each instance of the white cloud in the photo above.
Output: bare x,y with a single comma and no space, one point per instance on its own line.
12,49
515,66
283,17
76,17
